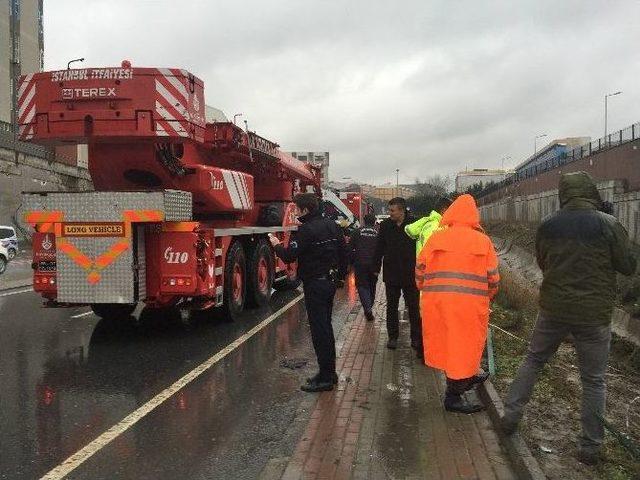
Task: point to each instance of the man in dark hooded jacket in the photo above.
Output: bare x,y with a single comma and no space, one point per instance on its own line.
579,250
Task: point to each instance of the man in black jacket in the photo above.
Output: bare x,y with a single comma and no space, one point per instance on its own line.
319,247
579,250
399,254
362,246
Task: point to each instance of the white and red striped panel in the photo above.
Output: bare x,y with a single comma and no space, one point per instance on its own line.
236,185
172,103
26,106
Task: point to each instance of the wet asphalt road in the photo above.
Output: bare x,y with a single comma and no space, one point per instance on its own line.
64,381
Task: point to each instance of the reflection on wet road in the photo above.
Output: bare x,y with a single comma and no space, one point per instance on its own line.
66,380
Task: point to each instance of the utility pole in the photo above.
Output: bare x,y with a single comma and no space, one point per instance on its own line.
397,182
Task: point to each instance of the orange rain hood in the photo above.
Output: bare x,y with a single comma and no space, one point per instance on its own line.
463,211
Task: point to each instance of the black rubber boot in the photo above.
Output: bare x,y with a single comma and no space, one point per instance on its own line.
461,405
316,378
316,386
477,380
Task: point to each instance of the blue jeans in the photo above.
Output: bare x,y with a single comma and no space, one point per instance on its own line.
592,346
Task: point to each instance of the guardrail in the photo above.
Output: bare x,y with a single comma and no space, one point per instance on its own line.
612,140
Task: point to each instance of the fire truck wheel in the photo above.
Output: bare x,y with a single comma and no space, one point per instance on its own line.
260,271
235,284
113,311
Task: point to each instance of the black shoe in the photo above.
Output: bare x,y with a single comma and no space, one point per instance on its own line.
415,344
477,380
460,405
369,316
316,379
392,343
508,427
591,458
316,386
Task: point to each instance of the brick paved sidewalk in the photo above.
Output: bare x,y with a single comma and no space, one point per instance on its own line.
386,420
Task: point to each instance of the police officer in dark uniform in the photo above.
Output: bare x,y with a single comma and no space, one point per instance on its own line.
363,246
319,247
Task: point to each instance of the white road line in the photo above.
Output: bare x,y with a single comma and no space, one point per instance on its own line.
17,292
82,455
82,315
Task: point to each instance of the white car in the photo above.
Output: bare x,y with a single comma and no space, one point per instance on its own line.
4,259
9,240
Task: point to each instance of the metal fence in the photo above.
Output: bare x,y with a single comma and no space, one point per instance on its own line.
612,140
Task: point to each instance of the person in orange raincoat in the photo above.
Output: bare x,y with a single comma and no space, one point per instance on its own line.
457,273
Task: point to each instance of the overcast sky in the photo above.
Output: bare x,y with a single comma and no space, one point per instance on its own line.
424,86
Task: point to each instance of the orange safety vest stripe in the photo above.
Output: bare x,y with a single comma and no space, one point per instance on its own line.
456,289
456,275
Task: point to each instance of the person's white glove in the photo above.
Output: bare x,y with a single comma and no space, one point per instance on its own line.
274,240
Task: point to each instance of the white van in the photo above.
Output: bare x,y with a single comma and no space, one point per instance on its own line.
9,240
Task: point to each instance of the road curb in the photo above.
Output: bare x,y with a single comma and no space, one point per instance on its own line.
522,460
13,284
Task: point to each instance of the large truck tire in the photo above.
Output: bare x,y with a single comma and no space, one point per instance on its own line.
113,311
235,281
260,272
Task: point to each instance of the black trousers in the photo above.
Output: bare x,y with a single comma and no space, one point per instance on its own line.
412,300
366,285
318,299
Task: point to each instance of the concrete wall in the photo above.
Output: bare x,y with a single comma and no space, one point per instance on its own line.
22,172
619,163
5,63
537,206
29,37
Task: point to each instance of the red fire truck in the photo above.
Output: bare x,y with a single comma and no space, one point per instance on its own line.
357,204
182,206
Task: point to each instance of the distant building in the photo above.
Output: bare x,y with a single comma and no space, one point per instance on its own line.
21,50
317,158
478,176
388,191
551,153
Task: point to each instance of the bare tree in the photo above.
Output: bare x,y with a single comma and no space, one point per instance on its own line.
434,185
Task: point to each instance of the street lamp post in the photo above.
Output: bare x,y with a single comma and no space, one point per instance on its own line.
508,157
73,61
606,113
535,142
397,182
236,116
